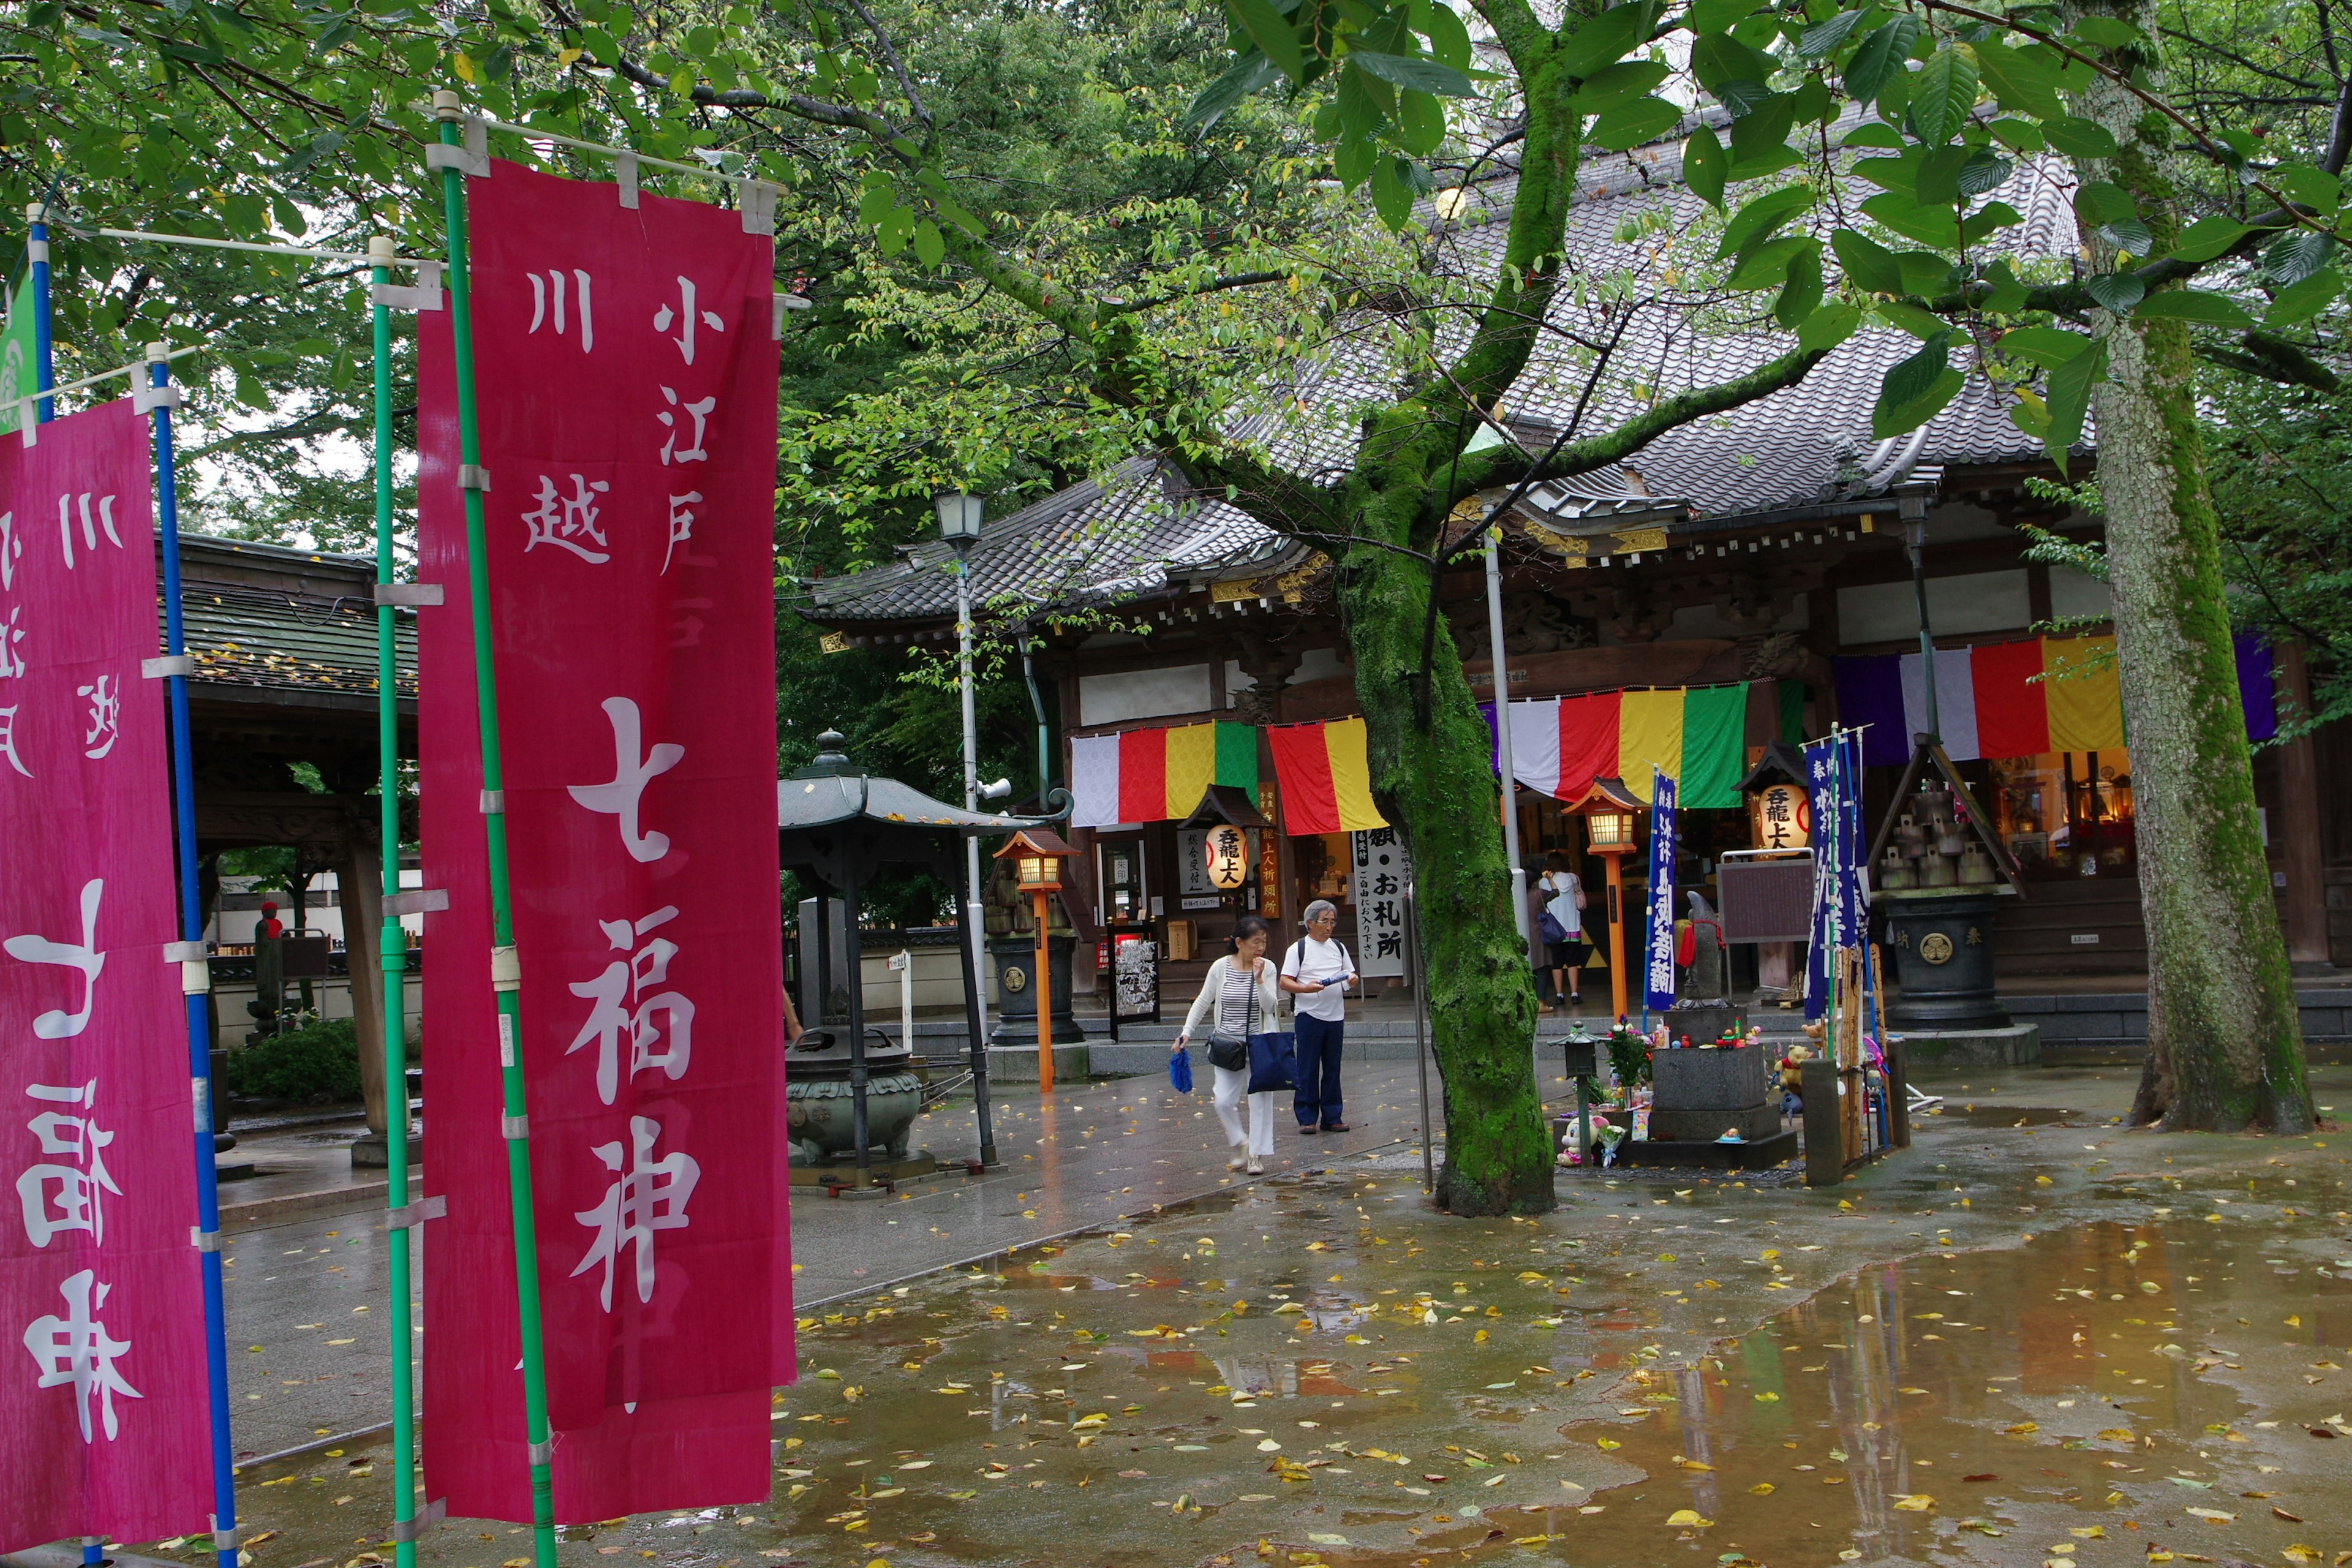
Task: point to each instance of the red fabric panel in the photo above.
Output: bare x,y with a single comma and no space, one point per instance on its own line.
1143,775
631,428
1302,762
1588,742
2013,714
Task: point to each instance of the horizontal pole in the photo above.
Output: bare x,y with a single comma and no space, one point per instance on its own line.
255,246
703,170
133,368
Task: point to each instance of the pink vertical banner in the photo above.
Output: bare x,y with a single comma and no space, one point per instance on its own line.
625,367
104,1416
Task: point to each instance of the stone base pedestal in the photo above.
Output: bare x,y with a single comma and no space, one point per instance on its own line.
1706,1023
1777,1149
372,1151
2017,1046
1754,1124
1018,1064
1710,1081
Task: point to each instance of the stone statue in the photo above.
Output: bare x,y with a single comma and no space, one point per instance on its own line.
1703,983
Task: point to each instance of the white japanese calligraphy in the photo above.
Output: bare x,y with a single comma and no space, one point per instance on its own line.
660,1026
634,767
85,957
564,520
8,742
648,1195
12,663
12,549
552,283
673,453
74,1204
681,523
89,526
686,316
104,718
77,1351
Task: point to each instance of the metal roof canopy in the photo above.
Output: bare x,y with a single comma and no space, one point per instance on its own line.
1226,803
842,827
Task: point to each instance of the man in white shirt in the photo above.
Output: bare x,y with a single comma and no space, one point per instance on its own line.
1318,970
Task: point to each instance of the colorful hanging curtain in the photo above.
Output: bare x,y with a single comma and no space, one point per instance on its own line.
1694,735
2016,699
1326,781
1153,775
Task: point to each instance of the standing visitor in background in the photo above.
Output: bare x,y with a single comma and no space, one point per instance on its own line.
1317,970
1561,926
1240,988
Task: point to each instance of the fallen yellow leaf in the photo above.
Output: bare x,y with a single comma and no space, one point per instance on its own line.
1762,1489
1917,1503
1688,1516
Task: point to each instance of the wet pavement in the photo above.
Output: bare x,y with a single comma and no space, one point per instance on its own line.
2054,1343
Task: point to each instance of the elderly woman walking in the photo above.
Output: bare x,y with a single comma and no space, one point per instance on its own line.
1318,970
1241,989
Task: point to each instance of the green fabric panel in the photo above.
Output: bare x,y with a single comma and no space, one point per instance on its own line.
1237,756
1715,725
19,372
1792,710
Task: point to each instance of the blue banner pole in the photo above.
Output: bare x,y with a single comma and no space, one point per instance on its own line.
36,251
161,399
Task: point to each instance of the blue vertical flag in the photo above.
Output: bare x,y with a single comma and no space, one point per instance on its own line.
1660,984
1821,953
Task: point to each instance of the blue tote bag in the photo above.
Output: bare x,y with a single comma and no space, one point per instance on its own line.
1180,1072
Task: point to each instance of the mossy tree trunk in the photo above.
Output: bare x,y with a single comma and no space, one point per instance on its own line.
2225,1044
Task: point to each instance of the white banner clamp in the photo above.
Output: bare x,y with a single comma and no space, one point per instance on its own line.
202,1088
431,1514
625,170
28,423
758,200
145,399
409,1215
494,802
473,477
409,596
506,969
543,1453
167,667
418,901
514,1127
472,159
204,1240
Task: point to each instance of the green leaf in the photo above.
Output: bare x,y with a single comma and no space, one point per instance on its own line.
2009,295
1719,16
1705,166
1760,136
2108,32
1621,83
1828,327
1605,40
1272,33
960,218
2118,291
2030,414
1449,40
1822,39
1718,57
2044,346
2296,255
1362,115
2198,307
1631,124
1418,72
1421,122
1880,55
1802,294
2019,80
2103,201
2019,135
1917,389
877,200
1924,272
1760,218
1249,74
2080,137
1938,181
2294,306
1943,94
1391,194
1938,226
1353,158
2070,399
1872,134
1869,266
1923,325
2307,183
930,245
1766,266
2209,238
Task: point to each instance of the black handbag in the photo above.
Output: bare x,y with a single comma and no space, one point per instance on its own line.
1233,1052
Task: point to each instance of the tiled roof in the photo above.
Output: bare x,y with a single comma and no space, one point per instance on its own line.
245,633
1804,444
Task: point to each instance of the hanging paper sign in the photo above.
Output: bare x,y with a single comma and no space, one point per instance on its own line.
1783,816
626,379
104,1413
1225,857
1660,983
1382,868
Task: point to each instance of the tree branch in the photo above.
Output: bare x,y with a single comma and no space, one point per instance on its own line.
2272,358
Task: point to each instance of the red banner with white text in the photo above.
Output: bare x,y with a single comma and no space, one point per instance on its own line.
104,1415
625,369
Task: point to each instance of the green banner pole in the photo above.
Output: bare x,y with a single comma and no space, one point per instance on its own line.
393,950
506,968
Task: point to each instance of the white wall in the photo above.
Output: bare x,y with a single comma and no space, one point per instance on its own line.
1143,694
1977,601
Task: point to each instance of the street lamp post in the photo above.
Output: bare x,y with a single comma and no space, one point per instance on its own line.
1915,544
1503,733
1036,855
1609,816
960,519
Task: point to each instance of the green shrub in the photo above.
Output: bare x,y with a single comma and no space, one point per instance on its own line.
321,1059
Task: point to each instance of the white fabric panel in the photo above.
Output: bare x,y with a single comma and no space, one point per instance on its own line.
1956,702
1118,698
1534,744
1094,780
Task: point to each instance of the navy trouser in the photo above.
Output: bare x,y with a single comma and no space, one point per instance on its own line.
1317,1097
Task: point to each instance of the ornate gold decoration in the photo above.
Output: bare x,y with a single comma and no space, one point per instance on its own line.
1935,948
1015,979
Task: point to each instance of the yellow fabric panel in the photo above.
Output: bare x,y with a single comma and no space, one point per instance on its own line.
1191,767
1352,776
1649,734
2086,707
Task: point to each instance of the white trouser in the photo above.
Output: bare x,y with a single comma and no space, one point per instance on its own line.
1233,1088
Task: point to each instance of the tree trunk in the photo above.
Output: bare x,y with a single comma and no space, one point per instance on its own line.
1436,783
2225,1044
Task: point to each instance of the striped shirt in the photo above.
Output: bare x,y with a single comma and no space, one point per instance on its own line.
1233,1001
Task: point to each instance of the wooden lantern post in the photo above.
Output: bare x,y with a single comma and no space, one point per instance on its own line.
1036,855
1609,814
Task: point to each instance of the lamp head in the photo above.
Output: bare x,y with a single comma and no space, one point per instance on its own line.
996,791
960,515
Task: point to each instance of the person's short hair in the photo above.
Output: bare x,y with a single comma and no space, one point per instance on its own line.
1555,861
1319,909
1247,927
